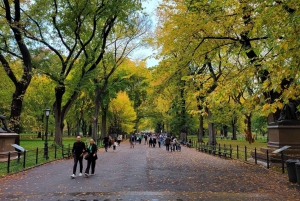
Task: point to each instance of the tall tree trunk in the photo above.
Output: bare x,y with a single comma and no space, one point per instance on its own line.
21,85
90,130
225,133
61,111
69,129
201,129
59,125
84,128
233,124
78,127
96,113
248,131
211,129
103,126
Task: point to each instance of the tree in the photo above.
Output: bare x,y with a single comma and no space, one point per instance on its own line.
125,38
13,48
80,30
122,112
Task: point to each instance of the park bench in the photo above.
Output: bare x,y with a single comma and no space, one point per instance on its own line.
216,150
66,151
209,149
224,151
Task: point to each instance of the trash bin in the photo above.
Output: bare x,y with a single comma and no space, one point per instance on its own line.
291,168
297,166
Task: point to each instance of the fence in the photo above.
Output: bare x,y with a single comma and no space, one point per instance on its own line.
17,161
263,157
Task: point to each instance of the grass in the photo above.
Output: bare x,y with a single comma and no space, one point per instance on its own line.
35,152
241,142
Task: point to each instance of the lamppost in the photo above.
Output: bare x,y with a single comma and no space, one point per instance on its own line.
47,113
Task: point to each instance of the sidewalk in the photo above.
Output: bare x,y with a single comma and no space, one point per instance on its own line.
144,173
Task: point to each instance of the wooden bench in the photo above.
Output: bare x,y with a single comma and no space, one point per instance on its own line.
216,150
225,152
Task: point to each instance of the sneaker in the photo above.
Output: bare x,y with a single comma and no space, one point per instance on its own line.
80,174
73,176
86,174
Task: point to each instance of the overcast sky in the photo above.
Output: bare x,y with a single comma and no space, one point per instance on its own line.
150,8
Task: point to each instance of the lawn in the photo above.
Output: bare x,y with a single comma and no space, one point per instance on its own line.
35,153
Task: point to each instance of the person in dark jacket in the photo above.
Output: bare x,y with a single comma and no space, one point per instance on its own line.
150,141
106,143
91,158
77,151
168,142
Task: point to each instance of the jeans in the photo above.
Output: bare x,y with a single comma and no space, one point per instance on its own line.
90,162
76,160
167,147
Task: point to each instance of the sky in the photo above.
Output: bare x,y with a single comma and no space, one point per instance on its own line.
150,8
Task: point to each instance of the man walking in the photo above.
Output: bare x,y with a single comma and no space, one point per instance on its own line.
78,150
168,142
106,143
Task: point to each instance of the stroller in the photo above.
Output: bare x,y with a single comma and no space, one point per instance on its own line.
178,147
175,146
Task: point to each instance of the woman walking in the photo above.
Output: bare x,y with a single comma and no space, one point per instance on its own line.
91,158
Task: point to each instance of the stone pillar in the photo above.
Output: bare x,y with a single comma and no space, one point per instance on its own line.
281,135
6,140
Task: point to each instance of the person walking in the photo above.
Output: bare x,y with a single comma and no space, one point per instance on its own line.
154,141
91,158
119,139
168,142
131,140
106,142
78,151
150,141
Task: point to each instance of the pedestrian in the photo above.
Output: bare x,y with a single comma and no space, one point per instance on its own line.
119,139
78,151
154,141
145,136
115,145
150,141
131,140
174,144
113,142
91,158
106,142
109,141
167,142
161,140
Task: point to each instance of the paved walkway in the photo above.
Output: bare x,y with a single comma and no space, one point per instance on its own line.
152,174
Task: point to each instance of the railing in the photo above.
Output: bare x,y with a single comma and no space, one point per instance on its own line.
246,154
18,161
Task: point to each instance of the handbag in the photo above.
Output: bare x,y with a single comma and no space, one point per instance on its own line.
87,157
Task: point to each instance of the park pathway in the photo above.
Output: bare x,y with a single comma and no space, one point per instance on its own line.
153,174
